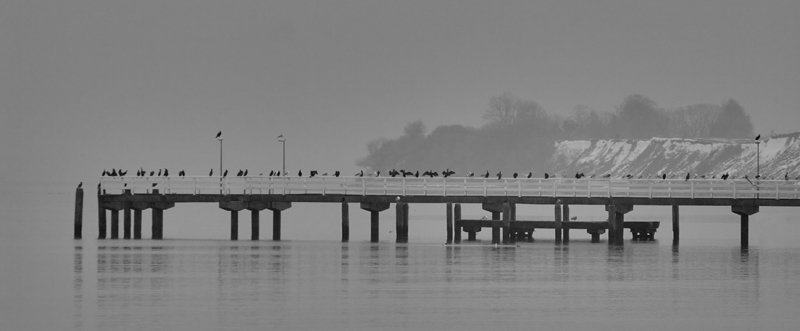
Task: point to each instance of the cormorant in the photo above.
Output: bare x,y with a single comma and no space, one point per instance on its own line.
105,173
499,175
416,174
121,173
245,173
239,174
758,137
300,173
470,174
546,175
688,175
113,172
80,184
271,173
211,172
153,172
486,175
530,174
663,176
219,134
336,173
166,172
154,185
313,173
515,175
225,173
360,173
159,172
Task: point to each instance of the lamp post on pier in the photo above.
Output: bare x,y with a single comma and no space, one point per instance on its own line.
219,137
283,140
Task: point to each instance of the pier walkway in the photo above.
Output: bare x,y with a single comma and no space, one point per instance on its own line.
376,194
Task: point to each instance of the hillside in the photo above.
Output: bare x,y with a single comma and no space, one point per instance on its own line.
778,154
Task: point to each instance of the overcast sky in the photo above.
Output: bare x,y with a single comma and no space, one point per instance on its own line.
88,85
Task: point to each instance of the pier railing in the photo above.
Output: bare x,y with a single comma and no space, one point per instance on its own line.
458,186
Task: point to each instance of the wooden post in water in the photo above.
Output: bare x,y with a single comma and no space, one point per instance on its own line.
78,225
676,231
564,219
449,207
558,221
456,223
345,222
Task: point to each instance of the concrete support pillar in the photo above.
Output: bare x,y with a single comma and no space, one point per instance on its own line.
617,220
557,217
137,218
374,208
234,207
506,223
254,224
277,208
158,224
405,222
596,234
78,225
676,231
449,212
101,222
565,218
114,224
345,222
744,212
400,220
457,223
158,217
255,208
137,224
126,222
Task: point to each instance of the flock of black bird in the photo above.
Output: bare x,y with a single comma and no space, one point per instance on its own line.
430,173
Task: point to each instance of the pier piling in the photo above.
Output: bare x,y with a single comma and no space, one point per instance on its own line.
399,222
565,218
676,231
78,225
744,212
101,222
374,208
114,224
449,207
126,216
457,223
345,222
558,221
137,224
405,222
255,208
506,223
276,208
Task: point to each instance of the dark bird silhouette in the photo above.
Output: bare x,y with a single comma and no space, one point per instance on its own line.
245,173
138,173
448,173
240,173
219,134
113,172
786,176
546,175
515,175
378,173
123,173
336,173
153,172
688,175
98,186
166,172
427,173
271,173
210,173
159,172
663,176
486,175
105,173
360,173
471,174
416,174
154,185
225,173
530,174
758,137
499,175
313,173
80,184
300,173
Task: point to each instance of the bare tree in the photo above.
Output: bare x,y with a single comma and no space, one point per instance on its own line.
693,121
501,109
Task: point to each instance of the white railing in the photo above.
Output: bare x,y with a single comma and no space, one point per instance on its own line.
455,186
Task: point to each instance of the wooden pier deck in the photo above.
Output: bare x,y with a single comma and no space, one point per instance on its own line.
376,194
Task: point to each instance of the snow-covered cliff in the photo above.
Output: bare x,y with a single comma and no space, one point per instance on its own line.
778,154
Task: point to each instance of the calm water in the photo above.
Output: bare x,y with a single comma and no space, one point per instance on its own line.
49,281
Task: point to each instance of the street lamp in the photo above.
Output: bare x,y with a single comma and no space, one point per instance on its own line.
758,157
283,140
219,137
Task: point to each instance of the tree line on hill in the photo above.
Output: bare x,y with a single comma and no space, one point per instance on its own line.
519,135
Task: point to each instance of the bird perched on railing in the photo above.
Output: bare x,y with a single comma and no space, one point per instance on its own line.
448,173
313,173
471,174
225,173
515,175
245,173
688,175
499,175
360,173
300,173
546,175
336,173
211,172
486,175
530,174
239,174
166,172
80,184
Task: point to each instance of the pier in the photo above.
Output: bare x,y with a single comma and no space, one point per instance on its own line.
377,194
